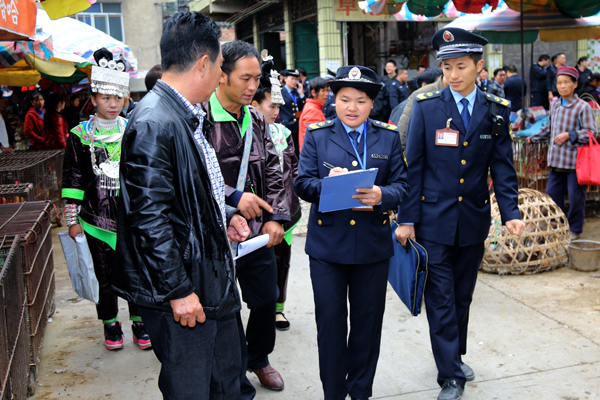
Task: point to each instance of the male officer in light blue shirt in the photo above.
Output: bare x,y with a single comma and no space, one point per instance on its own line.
454,137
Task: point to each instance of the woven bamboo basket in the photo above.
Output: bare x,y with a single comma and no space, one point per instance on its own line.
543,245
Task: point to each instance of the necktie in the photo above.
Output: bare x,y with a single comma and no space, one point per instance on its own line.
354,136
466,117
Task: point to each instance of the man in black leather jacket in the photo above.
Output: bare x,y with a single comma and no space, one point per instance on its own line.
172,239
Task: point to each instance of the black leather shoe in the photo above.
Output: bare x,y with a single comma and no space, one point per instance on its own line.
282,325
451,390
468,371
354,398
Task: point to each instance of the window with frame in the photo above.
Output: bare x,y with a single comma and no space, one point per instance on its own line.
106,17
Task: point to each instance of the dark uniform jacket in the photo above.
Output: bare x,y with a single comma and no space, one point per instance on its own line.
551,80
171,237
491,87
449,185
512,90
347,236
287,111
397,92
264,178
537,79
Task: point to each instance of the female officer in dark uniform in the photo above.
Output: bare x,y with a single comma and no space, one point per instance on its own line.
350,250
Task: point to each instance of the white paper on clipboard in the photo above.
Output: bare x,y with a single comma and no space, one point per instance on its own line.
247,247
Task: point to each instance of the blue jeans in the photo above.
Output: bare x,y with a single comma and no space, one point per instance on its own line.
200,363
561,183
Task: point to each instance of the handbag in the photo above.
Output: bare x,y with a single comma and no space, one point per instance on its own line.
408,272
80,266
588,158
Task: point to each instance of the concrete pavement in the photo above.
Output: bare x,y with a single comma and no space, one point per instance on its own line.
530,337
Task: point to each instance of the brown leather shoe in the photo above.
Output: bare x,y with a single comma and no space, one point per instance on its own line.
269,378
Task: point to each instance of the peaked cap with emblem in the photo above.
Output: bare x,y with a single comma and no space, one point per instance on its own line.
291,72
456,43
355,76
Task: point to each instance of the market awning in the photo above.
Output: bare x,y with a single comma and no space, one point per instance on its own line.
11,52
63,8
17,20
504,26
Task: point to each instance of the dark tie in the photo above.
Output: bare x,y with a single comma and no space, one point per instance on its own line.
466,117
354,136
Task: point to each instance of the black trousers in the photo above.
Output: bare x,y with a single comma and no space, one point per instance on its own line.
347,363
283,254
449,291
200,363
540,99
103,257
257,275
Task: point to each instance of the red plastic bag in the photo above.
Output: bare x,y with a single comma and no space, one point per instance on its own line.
588,159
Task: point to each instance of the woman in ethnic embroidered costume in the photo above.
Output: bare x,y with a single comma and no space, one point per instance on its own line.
267,100
91,186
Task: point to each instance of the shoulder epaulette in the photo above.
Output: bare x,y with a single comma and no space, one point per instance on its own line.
319,125
429,95
499,100
380,124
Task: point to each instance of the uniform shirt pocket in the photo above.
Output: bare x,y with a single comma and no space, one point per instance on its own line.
483,198
429,196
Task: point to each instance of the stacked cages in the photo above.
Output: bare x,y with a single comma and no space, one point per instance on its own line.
531,164
31,221
16,193
14,346
43,169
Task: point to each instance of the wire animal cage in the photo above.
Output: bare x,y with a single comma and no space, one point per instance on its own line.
31,222
16,193
14,346
43,169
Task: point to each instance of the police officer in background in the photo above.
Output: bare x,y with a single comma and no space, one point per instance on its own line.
454,136
293,95
350,250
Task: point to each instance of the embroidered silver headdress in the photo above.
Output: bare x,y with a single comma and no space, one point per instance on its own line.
109,76
270,77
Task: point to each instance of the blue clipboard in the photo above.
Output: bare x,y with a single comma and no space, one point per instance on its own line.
337,191
408,272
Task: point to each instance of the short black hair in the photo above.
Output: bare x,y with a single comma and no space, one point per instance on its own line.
371,93
512,69
543,57
393,62
582,59
484,69
316,84
234,51
428,76
302,71
594,77
421,66
401,70
261,94
497,71
554,57
186,37
73,97
152,76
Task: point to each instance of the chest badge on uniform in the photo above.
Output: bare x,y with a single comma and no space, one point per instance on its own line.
354,163
485,136
379,156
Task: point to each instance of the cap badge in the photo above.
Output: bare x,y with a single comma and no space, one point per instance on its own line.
296,72
448,37
354,73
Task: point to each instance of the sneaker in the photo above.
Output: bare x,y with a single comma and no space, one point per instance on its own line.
575,236
113,336
140,336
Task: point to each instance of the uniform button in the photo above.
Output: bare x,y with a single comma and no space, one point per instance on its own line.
320,222
465,144
463,162
294,119
352,222
462,180
460,198
384,221
354,163
486,202
422,198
